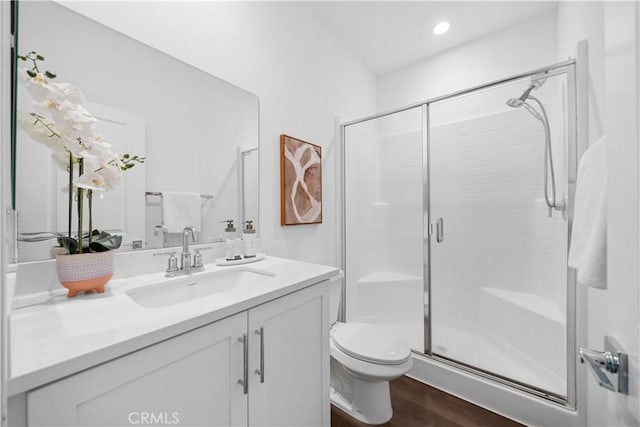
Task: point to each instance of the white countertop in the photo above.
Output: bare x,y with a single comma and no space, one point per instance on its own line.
66,335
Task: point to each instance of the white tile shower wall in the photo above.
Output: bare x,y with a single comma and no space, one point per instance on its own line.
487,184
401,180
384,213
366,212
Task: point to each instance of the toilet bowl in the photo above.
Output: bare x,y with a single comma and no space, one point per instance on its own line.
364,359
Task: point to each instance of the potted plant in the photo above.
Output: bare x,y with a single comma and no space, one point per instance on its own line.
60,121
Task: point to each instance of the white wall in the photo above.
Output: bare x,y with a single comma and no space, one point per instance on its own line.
584,21
523,47
611,31
303,76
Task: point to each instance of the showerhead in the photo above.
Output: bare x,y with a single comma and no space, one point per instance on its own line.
536,82
514,102
519,102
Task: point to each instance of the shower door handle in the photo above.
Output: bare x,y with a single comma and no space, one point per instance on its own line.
439,230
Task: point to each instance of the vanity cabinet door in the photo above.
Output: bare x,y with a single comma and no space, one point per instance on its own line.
187,380
295,360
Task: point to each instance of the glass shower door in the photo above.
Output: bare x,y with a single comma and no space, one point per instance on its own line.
383,224
498,261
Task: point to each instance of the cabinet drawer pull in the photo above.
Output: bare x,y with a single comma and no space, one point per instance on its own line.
244,382
261,370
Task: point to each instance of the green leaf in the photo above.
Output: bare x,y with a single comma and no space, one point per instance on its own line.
105,242
50,75
69,243
101,241
31,73
39,57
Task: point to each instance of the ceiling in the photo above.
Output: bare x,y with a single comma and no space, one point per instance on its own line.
388,35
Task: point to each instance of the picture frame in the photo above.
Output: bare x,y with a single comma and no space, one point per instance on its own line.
300,182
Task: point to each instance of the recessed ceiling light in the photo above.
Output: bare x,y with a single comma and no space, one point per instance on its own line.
441,28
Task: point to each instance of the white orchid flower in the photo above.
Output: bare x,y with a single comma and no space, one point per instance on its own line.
61,159
97,139
74,146
97,152
41,130
71,119
67,92
76,122
112,174
91,181
40,87
92,158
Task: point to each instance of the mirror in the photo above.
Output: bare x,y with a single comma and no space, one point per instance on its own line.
198,134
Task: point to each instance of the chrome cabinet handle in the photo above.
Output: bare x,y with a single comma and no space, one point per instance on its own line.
439,230
244,381
261,370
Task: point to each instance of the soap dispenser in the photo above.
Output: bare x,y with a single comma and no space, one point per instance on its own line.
231,240
249,239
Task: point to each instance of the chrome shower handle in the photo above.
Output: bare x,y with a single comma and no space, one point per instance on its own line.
439,230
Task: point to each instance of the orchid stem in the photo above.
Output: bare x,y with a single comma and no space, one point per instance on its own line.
90,197
70,192
80,206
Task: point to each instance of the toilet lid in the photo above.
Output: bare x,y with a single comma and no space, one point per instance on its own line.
369,343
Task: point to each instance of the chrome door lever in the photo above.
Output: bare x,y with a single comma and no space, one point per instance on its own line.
610,361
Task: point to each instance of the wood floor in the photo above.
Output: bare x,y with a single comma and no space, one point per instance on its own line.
418,405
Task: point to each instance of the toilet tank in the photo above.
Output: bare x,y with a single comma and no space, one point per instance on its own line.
335,295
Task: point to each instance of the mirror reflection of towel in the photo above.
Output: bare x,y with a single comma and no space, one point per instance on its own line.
180,210
588,252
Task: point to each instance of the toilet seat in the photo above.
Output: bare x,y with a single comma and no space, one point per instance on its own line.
370,344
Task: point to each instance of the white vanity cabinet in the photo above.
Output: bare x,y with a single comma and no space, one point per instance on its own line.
192,379
293,389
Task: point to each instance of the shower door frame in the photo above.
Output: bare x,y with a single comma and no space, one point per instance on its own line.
566,67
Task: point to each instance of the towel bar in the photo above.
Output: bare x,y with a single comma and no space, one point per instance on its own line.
159,194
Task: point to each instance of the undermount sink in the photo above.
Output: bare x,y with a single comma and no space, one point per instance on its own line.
191,287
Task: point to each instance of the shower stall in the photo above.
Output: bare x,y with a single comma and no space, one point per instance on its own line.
457,217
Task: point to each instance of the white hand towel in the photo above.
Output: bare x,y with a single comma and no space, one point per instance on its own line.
588,251
180,210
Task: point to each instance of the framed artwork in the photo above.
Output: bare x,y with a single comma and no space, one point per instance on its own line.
300,182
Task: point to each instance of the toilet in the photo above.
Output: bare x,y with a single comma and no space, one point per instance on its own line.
364,359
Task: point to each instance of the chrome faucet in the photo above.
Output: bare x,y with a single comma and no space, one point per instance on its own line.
185,259
186,264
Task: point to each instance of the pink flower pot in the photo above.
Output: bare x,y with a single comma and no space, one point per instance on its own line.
85,272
